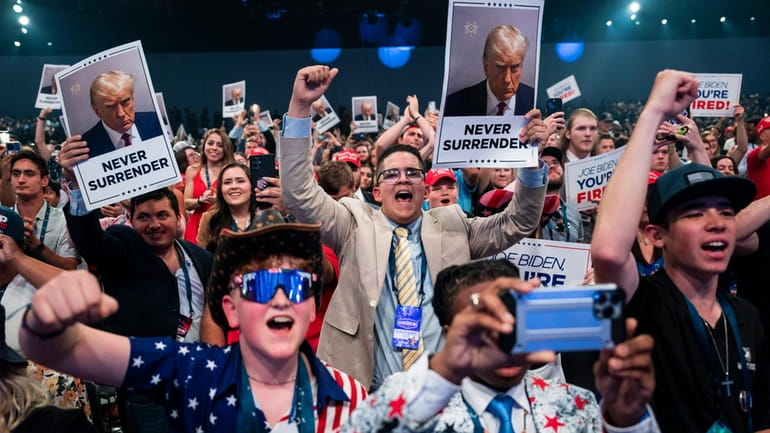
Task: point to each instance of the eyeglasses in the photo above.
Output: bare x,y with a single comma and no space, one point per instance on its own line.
392,175
260,286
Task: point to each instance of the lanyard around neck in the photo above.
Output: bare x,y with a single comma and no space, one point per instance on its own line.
700,334
187,284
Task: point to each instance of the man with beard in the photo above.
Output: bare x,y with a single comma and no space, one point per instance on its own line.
560,221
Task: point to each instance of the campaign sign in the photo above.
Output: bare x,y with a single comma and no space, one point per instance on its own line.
129,154
717,93
164,115
586,179
566,89
48,93
482,111
391,115
555,263
365,113
233,98
323,115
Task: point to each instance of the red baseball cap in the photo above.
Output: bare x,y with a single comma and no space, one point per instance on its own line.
433,175
349,156
763,124
258,151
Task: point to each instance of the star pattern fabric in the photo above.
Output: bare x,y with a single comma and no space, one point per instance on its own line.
199,383
553,409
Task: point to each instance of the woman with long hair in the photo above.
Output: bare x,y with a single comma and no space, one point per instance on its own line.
200,180
233,209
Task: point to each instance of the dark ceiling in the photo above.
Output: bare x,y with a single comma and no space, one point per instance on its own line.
84,27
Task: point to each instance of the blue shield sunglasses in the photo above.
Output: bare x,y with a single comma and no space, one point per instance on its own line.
260,286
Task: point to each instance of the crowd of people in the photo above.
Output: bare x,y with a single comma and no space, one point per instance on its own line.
350,289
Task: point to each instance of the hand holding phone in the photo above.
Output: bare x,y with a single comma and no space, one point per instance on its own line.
565,319
553,105
262,166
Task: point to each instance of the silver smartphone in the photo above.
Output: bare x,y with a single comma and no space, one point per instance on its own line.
565,319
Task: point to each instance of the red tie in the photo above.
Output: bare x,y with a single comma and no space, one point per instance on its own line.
126,137
501,108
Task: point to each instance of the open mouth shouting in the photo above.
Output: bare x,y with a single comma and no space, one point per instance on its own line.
280,324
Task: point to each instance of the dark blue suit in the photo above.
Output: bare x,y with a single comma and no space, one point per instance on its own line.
472,101
99,141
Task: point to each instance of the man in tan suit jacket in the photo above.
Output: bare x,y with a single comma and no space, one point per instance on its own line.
362,236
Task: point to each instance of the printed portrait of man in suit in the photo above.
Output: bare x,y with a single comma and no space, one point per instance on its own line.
502,93
112,99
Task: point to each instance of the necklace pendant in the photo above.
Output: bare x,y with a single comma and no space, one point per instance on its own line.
727,383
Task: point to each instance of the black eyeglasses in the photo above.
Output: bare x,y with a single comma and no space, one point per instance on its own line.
392,175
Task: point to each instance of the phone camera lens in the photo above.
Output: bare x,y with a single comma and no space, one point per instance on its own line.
600,298
608,312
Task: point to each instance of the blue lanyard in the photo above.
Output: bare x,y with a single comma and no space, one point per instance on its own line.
208,179
44,227
700,334
186,273
252,420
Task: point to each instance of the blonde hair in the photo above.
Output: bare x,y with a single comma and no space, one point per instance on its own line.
21,394
505,40
578,112
111,83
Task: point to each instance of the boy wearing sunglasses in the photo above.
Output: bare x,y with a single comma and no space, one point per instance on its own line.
266,283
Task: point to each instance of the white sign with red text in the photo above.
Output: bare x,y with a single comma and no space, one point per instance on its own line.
586,179
717,93
566,89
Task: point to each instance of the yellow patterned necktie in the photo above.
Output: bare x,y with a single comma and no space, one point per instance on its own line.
407,287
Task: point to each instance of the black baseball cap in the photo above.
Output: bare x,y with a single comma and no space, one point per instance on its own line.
8,355
693,181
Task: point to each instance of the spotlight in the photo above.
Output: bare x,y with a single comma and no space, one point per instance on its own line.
24,30
50,43
23,20
609,23
722,19
18,9
692,20
752,19
634,7
664,21
633,17
16,43
637,23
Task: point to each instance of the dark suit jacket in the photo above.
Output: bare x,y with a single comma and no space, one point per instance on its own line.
48,90
318,117
230,102
99,141
472,101
131,272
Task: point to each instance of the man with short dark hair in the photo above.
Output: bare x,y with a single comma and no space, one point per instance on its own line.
711,353
470,385
45,230
159,281
358,330
336,179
